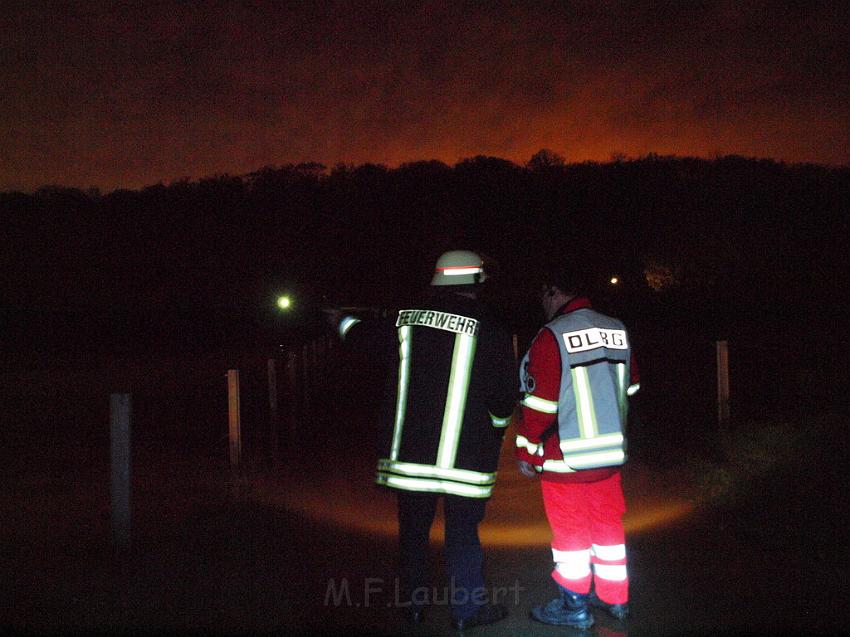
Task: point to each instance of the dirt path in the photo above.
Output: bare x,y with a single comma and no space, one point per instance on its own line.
302,551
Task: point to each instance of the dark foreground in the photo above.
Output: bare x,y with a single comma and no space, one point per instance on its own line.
211,556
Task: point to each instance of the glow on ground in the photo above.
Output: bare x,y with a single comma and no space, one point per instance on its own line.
515,515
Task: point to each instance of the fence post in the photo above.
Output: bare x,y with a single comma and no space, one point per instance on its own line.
723,410
308,371
292,393
314,373
233,419
120,408
273,414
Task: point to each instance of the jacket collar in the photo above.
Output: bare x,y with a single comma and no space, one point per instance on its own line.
575,303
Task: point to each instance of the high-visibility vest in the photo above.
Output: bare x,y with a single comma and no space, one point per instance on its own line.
592,405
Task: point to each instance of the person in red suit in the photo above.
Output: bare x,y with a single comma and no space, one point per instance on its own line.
576,378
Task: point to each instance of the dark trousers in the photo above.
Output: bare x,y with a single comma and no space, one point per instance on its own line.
464,557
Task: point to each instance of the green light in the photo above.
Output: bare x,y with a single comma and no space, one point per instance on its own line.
284,302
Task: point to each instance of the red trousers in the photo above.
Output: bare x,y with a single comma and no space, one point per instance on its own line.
588,541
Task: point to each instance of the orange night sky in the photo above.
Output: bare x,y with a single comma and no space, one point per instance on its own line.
130,93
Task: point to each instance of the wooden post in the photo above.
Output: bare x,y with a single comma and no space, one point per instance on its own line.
273,415
516,348
723,411
307,377
292,393
233,418
314,372
119,417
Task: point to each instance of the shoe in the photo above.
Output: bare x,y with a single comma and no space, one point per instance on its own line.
414,614
568,609
489,614
617,611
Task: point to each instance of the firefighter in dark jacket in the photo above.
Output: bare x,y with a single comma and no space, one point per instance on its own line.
450,395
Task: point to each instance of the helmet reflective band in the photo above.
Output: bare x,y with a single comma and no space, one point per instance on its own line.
461,270
459,267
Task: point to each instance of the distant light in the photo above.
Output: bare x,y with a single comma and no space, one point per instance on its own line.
284,302
615,280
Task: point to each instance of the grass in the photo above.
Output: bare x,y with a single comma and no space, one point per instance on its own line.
782,488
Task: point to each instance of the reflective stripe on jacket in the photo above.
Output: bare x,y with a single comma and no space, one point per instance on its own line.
449,398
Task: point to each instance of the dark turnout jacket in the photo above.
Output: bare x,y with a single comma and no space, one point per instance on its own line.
450,393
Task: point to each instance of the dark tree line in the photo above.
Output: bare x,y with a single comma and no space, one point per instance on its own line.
731,239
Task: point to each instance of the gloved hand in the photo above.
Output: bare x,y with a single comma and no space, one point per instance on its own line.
333,316
526,468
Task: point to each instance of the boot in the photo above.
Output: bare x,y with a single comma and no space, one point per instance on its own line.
568,609
488,614
617,611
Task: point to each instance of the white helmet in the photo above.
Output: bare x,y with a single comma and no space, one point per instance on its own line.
459,267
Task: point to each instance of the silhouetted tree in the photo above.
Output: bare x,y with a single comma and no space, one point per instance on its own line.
545,159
